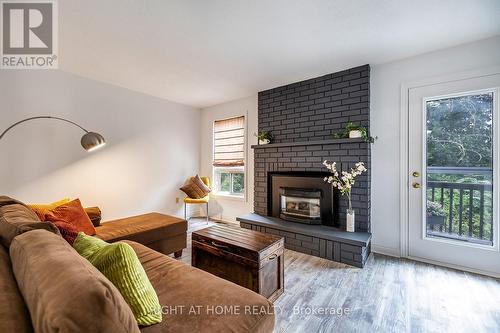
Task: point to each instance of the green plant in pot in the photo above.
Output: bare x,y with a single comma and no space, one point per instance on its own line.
264,137
435,214
353,131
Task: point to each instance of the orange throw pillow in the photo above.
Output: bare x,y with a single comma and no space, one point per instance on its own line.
74,214
42,209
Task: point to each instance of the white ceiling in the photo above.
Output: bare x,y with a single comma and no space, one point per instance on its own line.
202,53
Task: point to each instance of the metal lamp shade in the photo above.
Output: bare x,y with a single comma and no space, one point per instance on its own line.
92,141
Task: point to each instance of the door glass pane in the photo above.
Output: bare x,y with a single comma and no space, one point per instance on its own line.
460,168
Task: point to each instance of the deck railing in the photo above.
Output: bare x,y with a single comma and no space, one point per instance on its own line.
468,206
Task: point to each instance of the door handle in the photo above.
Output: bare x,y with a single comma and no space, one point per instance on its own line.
416,174
416,185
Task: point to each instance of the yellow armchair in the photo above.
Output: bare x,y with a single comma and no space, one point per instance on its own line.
203,200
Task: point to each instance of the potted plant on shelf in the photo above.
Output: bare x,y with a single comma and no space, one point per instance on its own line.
435,214
344,181
264,137
353,131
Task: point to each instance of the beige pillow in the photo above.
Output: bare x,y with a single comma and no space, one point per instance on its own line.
63,291
195,188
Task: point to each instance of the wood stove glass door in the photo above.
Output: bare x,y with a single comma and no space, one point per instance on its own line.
300,205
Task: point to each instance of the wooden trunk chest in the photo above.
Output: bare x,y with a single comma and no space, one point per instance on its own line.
249,258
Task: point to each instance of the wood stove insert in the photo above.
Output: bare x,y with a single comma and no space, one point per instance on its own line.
302,197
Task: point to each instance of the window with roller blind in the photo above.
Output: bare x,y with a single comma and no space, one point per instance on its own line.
229,157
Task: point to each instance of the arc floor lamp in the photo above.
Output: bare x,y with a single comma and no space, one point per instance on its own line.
90,140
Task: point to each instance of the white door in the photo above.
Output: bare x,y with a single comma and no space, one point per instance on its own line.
453,173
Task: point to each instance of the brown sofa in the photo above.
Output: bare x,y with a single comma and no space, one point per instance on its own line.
45,286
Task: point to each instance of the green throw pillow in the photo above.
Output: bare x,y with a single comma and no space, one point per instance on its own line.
119,263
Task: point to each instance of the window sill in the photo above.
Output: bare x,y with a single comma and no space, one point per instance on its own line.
228,196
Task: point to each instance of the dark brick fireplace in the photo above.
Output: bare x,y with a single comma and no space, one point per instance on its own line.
302,117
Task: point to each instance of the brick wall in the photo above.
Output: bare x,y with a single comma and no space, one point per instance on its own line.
314,109
302,117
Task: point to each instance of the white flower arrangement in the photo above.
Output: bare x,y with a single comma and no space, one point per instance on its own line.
344,180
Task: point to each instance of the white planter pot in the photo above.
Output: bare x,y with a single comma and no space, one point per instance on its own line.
264,142
355,134
350,221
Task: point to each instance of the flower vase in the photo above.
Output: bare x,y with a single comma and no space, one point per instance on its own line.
350,220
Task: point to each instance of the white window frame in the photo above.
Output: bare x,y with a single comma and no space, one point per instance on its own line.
232,171
216,192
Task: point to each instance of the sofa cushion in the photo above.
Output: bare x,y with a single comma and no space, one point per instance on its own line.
14,315
16,219
63,291
119,263
144,229
5,201
20,210
186,288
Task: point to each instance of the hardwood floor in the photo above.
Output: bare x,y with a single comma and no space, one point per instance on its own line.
388,295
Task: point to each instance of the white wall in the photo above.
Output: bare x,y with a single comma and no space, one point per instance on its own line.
386,83
223,207
152,144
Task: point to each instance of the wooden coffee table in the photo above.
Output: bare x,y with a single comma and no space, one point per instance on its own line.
249,258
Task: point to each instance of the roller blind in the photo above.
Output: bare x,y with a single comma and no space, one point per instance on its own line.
229,141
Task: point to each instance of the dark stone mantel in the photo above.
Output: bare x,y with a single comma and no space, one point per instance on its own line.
307,143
